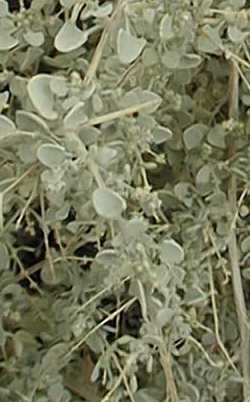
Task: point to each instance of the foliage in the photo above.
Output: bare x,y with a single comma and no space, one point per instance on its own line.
124,148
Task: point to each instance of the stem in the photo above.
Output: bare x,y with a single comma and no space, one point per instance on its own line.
233,109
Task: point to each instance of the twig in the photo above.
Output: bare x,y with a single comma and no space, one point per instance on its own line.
233,110
171,390
216,320
103,322
99,49
119,113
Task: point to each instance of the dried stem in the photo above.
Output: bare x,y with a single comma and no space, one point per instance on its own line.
239,299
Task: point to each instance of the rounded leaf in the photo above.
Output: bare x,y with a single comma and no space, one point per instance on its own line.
41,96
28,121
5,122
193,135
171,252
7,41
34,38
108,204
107,257
51,155
75,117
129,47
70,37
162,134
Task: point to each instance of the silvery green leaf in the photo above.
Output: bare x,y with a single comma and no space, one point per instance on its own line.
5,122
171,58
203,179
166,27
58,85
236,35
76,116
34,38
3,8
245,245
4,96
29,121
190,61
89,135
51,155
7,42
67,3
108,203
216,136
41,96
138,96
171,252
162,134
194,135
4,258
129,47
106,156
103,11
246,273
182,191
164,316
26,152
52,278
14,137
107,257
209,40
70,37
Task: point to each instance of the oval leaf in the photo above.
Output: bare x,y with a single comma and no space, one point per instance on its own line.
70,38
75,116
51,155
193,135
34,38
5,122
129,47
108,204
7,41
41,96
171,252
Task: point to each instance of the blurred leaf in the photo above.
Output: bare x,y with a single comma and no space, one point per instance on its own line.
166,28
171,252
4,258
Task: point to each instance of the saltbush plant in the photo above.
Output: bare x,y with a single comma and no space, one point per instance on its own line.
124,200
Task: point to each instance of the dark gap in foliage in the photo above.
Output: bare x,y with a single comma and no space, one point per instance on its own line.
89,250
27,3
71,216
14,6
131,321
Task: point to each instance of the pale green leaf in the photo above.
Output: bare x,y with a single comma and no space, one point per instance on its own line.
76,116
7,42
41,96
51,155
108,203
171,252
129,47
194,135
70,38
34,38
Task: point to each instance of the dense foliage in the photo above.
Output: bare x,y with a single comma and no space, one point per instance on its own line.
124,216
